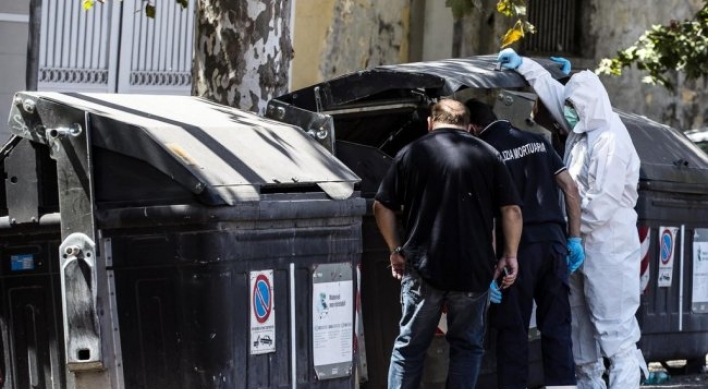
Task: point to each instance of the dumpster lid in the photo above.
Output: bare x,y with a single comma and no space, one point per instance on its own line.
666,154
444,76
233,154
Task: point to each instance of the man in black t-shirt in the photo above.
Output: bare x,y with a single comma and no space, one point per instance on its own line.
538,173
450,187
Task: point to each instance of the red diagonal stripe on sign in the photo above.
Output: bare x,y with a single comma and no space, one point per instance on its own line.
645,240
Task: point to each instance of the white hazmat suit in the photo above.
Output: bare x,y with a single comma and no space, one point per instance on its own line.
605,292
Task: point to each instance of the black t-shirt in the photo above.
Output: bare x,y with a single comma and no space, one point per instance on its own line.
450,186
533,164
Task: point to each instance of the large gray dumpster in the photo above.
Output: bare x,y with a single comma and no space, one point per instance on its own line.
169,242
673,226
367,116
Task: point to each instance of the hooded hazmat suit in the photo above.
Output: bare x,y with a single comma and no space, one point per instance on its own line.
605,292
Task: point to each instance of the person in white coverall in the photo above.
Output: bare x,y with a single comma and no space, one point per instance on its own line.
601,158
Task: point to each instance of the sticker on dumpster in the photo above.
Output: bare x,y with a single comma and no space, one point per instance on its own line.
262,339
22,262
667,248
700,271
333,320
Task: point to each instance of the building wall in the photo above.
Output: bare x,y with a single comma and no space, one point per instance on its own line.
309,31
609,26
439,27
336,37
14,20
359,34
618,24
332,38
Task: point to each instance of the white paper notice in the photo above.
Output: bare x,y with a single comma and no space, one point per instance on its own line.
700,271
332,322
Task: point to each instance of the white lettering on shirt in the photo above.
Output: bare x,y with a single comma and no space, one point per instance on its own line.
522,151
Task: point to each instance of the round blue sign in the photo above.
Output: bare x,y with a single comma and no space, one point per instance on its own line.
262,299
666,246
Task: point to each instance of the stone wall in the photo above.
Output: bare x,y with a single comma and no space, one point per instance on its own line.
619,24
609,26
365,33
338,37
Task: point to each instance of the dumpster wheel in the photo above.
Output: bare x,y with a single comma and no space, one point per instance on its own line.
689,366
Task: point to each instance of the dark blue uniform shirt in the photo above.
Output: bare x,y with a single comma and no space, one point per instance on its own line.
533,165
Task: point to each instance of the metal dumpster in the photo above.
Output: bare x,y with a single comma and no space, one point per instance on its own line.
170,242
365,118
673,227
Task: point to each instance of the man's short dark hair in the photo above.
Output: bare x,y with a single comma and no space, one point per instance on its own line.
450,111
481,114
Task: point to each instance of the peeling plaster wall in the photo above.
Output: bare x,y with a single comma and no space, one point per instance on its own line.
482,29
337,37
612,25
311,23
365,34
618,24
438,26
361,34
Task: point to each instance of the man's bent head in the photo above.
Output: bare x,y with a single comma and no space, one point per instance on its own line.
449,113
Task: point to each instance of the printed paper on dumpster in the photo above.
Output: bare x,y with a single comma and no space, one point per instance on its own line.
700,271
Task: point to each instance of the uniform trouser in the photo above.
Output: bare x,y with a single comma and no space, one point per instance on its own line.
543,276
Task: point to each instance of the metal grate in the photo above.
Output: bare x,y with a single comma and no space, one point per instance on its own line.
158,54
74,45
114,47
556,23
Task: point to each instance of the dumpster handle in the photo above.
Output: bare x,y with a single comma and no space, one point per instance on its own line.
75,130
680,312
293,343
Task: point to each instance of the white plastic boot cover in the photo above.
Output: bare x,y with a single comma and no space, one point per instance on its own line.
589,375
625,369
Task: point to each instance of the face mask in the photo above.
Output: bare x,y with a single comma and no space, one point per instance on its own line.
571,116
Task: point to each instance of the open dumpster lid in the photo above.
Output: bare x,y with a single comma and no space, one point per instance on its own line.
441,77
229,153
666,154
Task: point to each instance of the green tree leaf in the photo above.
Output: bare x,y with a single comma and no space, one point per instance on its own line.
661,50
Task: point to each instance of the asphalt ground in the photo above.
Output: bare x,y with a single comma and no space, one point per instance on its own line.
678,378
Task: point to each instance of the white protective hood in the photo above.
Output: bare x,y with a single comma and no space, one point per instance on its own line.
590,99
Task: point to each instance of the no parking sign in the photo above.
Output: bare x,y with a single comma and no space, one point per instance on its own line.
667,249
262,339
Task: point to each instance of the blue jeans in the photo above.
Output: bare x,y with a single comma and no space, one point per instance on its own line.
466,318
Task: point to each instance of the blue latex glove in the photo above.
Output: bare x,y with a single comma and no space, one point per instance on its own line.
495,295
509,59
576,254
565,64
